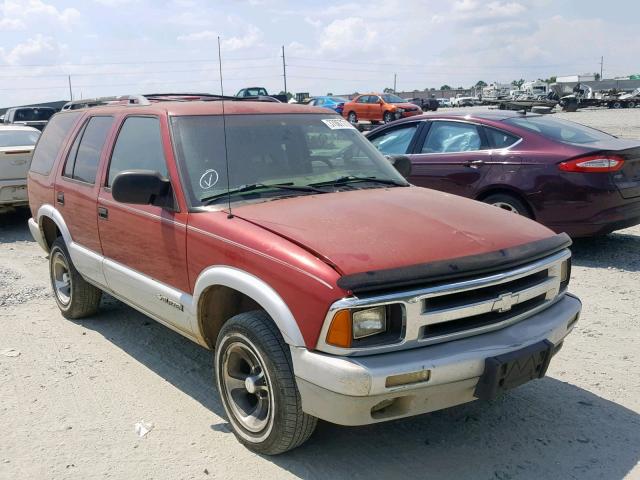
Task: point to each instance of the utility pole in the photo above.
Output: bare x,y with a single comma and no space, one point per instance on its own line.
601,65
395,76
70,91
284,71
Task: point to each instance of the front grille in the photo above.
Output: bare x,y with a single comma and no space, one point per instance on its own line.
468,306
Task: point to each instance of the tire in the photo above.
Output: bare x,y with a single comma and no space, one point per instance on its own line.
617,105
631,104
274,423
387,117
76,298
509,203
352,117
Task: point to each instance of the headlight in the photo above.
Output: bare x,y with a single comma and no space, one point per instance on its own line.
369,322
399,110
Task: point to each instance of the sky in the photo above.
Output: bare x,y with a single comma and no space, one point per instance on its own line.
117,47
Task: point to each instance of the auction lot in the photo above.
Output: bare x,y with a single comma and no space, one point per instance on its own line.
73,391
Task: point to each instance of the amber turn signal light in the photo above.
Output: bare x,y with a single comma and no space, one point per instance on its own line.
339,334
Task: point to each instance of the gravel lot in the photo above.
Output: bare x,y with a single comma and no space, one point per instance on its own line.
71,392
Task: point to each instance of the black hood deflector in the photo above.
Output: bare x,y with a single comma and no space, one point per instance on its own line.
445,270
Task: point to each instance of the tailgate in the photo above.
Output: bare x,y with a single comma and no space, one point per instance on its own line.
627,179
14,162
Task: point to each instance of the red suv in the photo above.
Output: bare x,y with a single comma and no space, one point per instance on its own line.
279,237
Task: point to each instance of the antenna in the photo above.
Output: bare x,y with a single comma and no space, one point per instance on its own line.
224,130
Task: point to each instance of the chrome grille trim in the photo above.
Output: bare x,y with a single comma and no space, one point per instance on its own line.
417,314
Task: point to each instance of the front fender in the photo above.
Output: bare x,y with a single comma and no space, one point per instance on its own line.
256,289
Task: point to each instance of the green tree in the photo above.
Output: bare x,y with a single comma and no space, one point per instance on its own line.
445,87
288,94
518,83
388,90
597,75
550,79
481,83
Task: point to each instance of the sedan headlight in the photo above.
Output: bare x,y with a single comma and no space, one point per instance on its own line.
369,322
399,110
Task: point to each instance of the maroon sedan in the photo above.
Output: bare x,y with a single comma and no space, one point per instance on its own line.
569,177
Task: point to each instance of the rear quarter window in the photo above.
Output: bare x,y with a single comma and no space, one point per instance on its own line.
499,139
51,142
559,130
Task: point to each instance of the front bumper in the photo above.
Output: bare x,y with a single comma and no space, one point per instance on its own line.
349,390
13,192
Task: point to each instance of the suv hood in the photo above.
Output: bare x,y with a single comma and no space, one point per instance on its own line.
383,228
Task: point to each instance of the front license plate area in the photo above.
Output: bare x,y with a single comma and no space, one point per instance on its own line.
512,369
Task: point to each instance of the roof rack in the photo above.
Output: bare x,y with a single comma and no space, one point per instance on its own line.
100,101
147,98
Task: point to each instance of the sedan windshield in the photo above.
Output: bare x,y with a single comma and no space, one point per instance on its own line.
393,98
559,130
18,138
273,156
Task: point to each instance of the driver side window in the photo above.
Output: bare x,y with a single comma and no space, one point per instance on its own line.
138,147
395,141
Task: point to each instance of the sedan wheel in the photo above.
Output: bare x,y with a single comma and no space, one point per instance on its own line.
388,117
509,203
353,118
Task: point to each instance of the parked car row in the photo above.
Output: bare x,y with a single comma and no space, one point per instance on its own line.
326,285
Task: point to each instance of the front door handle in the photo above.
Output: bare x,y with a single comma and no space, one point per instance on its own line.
103,212
475,163
60,198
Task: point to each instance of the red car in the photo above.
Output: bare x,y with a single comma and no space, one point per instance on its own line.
277,236
379,107
569,177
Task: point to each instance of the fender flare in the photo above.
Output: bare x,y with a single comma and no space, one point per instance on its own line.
258,290
51,212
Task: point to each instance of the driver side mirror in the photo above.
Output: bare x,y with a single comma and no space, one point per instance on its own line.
142,187
402,164
380,101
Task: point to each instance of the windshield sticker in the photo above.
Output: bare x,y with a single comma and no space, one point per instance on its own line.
337,123
209,179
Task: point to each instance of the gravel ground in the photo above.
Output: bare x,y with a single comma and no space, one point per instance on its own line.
71,392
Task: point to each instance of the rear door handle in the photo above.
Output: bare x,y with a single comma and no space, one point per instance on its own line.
475,163
103,212
60,198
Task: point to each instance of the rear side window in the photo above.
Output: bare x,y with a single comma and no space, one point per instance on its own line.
51,141
84,156
138,147
450,137
500,139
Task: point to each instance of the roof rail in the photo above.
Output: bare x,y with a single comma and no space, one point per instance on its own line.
147,98
99,101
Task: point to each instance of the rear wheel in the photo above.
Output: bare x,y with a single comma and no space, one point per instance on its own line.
631,104
509,203
257,386
353,118
617,105
76,298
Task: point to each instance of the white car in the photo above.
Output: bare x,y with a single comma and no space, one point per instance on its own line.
16,147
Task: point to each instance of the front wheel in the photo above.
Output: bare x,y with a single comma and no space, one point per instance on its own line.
257,386
509,203
353,118
387,117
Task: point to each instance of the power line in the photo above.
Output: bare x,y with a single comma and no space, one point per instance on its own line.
137,62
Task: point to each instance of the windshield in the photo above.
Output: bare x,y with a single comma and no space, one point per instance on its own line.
33,114
392,98
18,138
559,130
298,150
338,100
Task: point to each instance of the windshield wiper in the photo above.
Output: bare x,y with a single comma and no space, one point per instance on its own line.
259,186
353,179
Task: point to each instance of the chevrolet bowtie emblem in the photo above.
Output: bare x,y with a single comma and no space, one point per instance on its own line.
505,302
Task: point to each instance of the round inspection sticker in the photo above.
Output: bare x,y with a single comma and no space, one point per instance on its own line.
209,179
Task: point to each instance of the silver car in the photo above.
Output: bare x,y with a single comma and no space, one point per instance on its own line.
16,147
